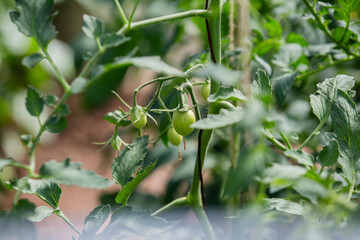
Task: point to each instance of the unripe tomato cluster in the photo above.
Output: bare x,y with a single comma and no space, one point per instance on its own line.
181,122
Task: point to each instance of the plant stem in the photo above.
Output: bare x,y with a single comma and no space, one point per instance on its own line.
121,12
62,215
317,70
316,130
274,141
345,31
121,100
164,106
91,63
352,186
42,129
160,80
205,223
194,68
180,202
98,44
16,198
195,101
156,96
133,12
60,77
286,140
170,17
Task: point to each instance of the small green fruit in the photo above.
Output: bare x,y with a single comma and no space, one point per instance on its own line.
174,137
205,90
182,122
138,117
116,143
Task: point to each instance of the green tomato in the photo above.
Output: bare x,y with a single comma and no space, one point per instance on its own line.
174,137
182,122
205,90
138,117
116,143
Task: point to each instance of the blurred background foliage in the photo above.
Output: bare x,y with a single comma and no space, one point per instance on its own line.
273,24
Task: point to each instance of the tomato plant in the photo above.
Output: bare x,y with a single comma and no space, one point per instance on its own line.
279,131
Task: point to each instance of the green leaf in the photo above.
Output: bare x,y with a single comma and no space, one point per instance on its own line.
32,60
51,100
33,18
247,171
301,157
278,171
267,45
64,110
113,39
227,94
320,49
321,108
5,162
346,124
297,38
39,214
93,27
263,64
261,87
45,189
118,118
287,56
322,100
310,189
282,176
223,119
128,224
123,196
349,6
95,220
56,124
282,86
79,85
71,173
329,154
34,102
153,63
283,205
220,74
129,160
274,28
26,139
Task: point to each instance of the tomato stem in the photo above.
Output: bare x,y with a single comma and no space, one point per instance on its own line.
121,12
62,215
176,16
60,77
